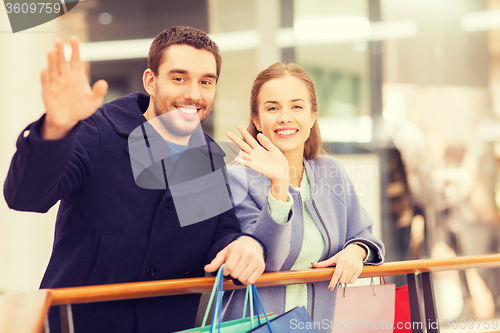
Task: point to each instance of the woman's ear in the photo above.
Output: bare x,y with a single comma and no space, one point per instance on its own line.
256,122
148,81
314,117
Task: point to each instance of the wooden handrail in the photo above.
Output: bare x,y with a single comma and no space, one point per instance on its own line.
197,285
24,312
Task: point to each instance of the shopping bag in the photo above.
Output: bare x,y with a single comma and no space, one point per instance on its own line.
364,309
294,320
242,325
402,316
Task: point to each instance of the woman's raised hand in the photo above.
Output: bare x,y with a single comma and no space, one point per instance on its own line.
267,160
66,92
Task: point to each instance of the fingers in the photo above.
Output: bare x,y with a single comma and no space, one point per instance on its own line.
246,271
75,62
44,75
100,89
239,157
254,276
217,261
266,143
244,260
249,139
235,149
345,272
347,269
325,263
53,71
57,64
61,60
335,278
242,144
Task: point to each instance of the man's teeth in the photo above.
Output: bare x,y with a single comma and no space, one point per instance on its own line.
188,109
286,132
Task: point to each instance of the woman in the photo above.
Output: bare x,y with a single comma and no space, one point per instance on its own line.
298,201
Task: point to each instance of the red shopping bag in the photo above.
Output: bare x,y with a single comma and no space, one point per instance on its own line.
402,315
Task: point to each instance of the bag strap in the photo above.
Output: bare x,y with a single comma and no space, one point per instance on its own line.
372,284
256,293
212,295
251,295
249,292
216,317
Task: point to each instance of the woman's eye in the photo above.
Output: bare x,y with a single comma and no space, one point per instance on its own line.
272,108
297,107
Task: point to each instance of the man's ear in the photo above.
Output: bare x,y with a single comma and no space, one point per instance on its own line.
256,122
148,81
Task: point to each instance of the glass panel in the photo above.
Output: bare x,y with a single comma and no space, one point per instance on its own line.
337,58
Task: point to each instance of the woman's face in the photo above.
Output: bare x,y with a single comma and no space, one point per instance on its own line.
285,114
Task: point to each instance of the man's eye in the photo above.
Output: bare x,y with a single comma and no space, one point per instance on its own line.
179,79
206,82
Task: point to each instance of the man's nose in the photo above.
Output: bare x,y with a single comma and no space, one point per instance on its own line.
192,92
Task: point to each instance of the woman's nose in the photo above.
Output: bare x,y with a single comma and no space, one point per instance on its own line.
284,117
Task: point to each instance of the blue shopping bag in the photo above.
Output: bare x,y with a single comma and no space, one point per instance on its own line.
242,325
296,320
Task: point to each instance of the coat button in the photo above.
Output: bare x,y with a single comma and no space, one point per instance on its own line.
151,271
188,274
201,211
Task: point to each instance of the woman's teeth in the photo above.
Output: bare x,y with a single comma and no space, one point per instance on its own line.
286,132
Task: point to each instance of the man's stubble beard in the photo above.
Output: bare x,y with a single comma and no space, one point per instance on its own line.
168,119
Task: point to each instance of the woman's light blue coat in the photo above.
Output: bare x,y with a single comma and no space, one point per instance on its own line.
334,207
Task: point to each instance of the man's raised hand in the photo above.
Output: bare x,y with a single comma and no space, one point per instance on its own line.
66,92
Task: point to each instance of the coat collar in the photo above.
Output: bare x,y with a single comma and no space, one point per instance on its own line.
310,175
126,113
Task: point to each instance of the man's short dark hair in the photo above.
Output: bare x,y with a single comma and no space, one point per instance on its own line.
181,35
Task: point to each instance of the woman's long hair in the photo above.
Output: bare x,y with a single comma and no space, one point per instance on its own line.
313,145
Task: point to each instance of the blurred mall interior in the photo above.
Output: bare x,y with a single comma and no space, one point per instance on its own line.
409,101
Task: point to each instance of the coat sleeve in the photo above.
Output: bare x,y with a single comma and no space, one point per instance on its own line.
228,229
45,171
254,216
359,223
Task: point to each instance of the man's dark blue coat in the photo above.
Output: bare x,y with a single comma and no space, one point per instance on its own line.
109,230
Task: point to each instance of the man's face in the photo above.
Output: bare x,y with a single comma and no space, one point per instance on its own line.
184,89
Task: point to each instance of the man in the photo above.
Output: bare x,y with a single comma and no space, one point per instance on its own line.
109,229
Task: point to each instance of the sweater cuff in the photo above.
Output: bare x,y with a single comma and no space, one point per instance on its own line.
279,210
369,253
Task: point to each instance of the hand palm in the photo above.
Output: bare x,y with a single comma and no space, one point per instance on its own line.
269,162
264,158
66,92
69,98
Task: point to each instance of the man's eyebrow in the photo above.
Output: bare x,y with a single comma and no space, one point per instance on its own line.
177,71
183,71
210,76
